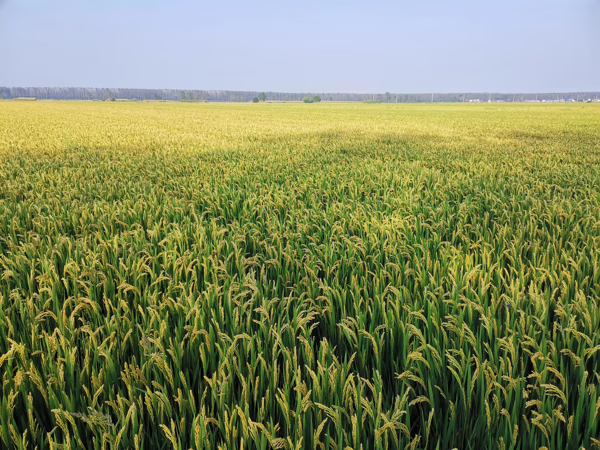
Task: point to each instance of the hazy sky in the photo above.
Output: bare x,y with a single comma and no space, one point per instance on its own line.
309,45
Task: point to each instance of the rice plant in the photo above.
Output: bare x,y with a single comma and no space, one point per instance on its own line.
218,276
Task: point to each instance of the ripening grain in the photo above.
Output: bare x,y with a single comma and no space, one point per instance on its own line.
299,276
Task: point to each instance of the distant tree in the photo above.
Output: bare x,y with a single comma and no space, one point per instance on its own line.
182,96
316,98
307,100
388,96
255,100
157,97
262,96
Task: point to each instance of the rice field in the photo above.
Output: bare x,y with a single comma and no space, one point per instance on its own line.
290,276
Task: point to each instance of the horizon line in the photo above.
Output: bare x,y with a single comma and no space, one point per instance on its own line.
597,92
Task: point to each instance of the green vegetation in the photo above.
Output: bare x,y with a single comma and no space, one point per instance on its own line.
182,275
262,96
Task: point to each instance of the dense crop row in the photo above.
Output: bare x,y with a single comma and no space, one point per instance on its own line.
299,276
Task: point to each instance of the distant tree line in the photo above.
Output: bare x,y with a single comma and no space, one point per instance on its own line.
103,94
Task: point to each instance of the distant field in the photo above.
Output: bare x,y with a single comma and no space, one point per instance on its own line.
299,276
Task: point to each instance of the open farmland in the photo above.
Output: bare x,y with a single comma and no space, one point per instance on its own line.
299,276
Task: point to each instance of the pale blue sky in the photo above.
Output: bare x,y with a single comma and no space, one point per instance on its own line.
310,45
